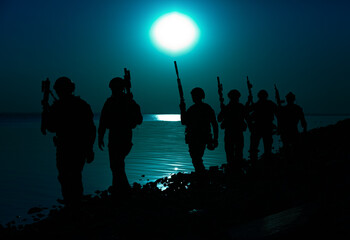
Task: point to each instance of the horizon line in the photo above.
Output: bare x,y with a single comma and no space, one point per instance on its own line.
98,113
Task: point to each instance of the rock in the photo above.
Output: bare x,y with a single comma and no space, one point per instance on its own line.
40,215
34,210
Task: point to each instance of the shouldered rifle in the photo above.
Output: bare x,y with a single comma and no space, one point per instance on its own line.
222,105
181,92
45,89
250,96
277,95
250,101
221,97
127,79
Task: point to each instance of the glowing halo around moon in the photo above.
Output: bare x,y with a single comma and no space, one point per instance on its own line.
174,33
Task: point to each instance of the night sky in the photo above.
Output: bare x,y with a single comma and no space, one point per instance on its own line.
302,46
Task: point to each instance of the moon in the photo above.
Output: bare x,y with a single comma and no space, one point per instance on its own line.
174,33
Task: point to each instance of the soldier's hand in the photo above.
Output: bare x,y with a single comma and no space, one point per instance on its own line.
90,156
182,106
101,144
212,144
305,130
215,143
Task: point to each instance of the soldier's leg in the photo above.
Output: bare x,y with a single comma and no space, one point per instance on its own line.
70,166
117,154
268,167
291,146
196,152
239,142
267,139
237,152
229,150
254,144
77,178
63,178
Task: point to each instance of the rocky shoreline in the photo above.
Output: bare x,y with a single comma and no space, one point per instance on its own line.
305,194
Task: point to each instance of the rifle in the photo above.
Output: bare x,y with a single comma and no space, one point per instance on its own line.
221,97
181,92
277,95
45,88
250,101
250,96
127,79
222,105
279,104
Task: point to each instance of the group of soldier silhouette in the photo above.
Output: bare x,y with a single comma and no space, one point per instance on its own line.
71,118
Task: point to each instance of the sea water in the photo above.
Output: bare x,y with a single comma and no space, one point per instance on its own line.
28,174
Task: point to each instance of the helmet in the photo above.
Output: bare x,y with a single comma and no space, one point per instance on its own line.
234,94
64,85
290,97
198,92
117,83
262,94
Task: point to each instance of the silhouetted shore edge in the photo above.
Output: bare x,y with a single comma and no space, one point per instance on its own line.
280,199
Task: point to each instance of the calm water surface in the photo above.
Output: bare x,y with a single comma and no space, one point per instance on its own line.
28,175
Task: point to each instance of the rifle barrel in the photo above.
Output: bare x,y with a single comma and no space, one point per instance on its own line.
181,93
177,71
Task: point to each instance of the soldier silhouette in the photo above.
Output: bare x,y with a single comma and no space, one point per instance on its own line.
290,116
262,115
233,117
71,119
120,114
199,119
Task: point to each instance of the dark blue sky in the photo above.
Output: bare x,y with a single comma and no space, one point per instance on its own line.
302,46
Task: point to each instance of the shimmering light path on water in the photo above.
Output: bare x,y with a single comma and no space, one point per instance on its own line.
163,117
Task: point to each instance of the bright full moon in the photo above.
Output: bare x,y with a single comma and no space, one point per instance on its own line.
174,32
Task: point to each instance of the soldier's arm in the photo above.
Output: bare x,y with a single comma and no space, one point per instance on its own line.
221,114
91,127
249,106
102,128
215,125
275,109
183,114
51,118
303,120
90,135
245,113
139,117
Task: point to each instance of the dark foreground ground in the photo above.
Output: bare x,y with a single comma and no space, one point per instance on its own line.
306,194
